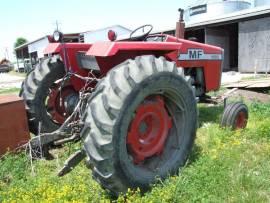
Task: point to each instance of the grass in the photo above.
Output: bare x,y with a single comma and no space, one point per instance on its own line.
13,90
256,77
225,166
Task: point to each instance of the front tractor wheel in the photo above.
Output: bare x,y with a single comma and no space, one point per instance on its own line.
140,124
235,116
46,101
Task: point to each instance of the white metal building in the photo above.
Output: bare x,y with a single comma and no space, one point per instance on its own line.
241,28
34,50
102,34
38,46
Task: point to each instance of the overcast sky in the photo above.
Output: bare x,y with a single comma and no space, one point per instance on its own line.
35,18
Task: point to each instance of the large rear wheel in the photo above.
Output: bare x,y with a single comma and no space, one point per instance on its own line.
45,101
140,124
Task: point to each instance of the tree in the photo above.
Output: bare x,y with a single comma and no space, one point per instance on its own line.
19,41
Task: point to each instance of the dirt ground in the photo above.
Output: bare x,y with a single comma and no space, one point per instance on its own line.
251,96
14,80
8,80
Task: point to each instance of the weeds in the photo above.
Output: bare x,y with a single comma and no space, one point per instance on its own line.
9,90
225,166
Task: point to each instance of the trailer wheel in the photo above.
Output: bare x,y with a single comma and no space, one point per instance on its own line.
140,124
37,90
235,116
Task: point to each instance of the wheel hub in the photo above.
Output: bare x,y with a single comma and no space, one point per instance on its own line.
70,102
241,120
61,103
149,129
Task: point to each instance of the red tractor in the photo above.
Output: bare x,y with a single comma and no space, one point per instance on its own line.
132,102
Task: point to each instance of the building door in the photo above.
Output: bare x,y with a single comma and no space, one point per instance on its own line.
226,37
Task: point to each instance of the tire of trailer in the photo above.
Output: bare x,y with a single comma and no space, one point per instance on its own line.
34,90
235,116
111,108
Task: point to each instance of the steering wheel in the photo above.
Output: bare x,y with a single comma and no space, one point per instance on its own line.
140,33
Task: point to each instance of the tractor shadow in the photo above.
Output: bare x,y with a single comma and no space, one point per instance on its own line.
194,155
210,114
207,114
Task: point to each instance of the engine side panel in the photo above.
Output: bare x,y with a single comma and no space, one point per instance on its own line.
208,57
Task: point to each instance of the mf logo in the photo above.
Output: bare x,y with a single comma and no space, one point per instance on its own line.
198,54
195,53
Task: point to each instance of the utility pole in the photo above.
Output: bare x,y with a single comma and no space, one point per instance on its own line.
6,53
57,25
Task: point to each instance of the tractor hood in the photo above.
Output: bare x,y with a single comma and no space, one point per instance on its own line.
56,48
104,49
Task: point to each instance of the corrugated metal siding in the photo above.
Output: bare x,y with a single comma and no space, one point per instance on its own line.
254,45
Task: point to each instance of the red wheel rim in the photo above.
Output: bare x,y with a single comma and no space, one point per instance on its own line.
149,129
241,120
56,103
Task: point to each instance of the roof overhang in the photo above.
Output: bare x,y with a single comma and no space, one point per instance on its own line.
244,15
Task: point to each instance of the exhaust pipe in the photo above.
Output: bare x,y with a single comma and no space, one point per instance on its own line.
180,25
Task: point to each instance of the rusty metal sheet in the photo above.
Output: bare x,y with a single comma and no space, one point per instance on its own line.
14,130
6,99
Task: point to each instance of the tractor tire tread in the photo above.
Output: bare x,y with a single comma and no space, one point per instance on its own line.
104,106
230,113
33,84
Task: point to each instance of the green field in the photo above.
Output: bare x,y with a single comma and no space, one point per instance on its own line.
10,91
225,166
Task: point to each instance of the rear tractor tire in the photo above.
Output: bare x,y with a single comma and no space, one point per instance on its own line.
140,124
41,96
235,116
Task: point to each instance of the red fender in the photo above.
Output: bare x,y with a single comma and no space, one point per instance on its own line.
52,48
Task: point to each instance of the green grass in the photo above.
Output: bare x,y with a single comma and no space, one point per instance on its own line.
225,166
256,77
13,90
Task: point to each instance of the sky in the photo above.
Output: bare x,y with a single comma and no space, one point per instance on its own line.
33,19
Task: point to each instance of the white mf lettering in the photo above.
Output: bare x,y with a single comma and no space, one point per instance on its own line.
195,53
198,54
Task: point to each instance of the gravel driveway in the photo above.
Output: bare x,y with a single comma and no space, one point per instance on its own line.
10,81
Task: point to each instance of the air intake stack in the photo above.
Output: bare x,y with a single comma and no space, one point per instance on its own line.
180,25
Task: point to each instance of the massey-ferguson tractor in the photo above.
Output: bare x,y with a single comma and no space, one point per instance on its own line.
132,103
